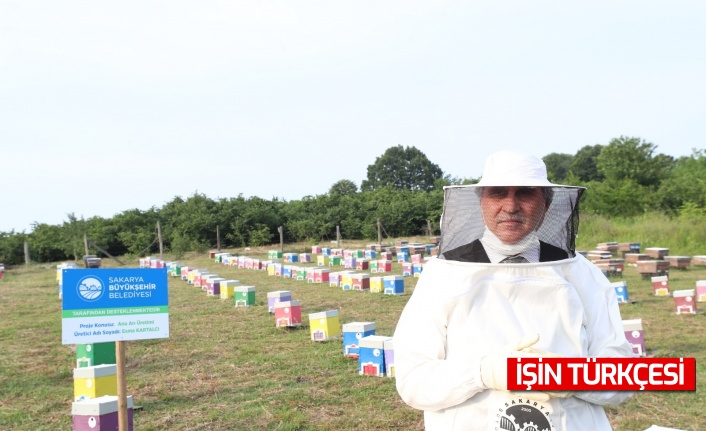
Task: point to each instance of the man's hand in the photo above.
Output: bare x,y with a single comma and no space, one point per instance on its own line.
493,367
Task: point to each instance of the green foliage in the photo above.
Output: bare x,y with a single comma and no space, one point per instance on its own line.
402,168
632,159
685,183
558,166
343,187
584,165
617,198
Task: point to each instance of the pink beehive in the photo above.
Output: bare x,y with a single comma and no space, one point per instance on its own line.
417,258
248,263
635,336
407,269
660,285
361,264
315,249
701,291
384,266
386,255
288,313
685,301
310,275
305,257
256,264
321,275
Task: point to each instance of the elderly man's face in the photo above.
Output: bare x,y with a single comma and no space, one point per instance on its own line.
512,212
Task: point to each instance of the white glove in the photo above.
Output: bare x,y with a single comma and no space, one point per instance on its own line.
543,395
493,367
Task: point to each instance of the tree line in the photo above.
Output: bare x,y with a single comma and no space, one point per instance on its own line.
403,189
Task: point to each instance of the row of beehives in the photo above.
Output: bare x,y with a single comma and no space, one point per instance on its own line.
374,353
684,303
655,260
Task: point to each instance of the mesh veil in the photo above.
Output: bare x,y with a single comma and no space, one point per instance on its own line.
462,219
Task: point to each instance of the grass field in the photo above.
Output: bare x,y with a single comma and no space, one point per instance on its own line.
230,369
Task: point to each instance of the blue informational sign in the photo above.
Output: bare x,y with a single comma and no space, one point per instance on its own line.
100,305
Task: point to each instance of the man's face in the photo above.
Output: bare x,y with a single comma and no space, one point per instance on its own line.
512,212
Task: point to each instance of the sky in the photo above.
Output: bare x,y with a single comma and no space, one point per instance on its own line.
111,106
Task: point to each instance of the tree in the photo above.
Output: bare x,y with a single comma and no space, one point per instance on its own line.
686,183
584,164
402,169
558,165
343,187
632,159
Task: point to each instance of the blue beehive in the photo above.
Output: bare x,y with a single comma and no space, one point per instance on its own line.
370,254
352,334
371,360
621,291
393,285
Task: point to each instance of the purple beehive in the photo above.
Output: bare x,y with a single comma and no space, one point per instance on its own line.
389,351
99,414
635,336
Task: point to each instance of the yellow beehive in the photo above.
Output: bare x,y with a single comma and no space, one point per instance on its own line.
94,382
324,325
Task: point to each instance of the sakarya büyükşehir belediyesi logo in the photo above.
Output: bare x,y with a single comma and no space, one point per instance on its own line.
90,288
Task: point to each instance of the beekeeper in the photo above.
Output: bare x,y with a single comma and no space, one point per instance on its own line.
507,283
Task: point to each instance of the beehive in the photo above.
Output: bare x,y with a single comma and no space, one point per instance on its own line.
324,325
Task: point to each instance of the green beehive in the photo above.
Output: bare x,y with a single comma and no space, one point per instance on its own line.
90,355
334,260
274,254
244,296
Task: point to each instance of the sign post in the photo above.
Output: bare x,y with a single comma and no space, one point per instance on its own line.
102,305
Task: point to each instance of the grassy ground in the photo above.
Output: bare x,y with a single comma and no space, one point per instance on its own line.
225,368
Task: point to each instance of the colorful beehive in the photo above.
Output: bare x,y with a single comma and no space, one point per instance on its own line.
371,359
700,291
304,257
324,326
200,278
247,263
678,262
393,285
340,252
635,336
288,314
352,333
386,255
417,269
321,275
273,298
242,262
256,264
433,251
213,286
621,291
291,257
277,269
244,296
100,414
407,269
660,285
349,262
699,260
360,281
274,254
205,281
335,260
326,251
175,269
322,260
685,301
402,257
370,254
310,275
361,264
218,258
657,253
376,285
315,249
358,254
300,273
89,355
157,263
227,288
347,280
95,381
416,258
287,271
384,265
389,351
184,272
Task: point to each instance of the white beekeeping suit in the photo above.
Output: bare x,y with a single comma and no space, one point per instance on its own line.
465,309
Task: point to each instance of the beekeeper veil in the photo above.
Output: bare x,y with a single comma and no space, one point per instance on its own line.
463,220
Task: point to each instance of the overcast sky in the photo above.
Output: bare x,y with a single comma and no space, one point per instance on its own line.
109,106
